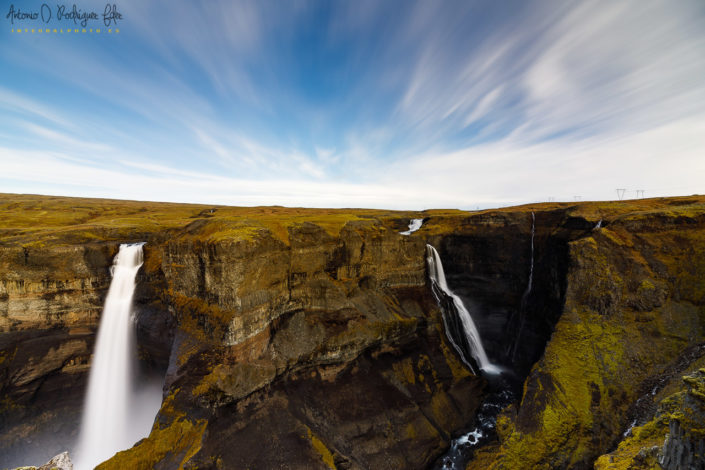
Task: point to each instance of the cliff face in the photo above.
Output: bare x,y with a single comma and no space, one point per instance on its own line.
50,301
300,339
311,339
509,268
326,351
634,312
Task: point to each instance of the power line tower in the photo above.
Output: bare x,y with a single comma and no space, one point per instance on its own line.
640,193
620,193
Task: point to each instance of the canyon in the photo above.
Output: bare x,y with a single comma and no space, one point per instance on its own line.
311,338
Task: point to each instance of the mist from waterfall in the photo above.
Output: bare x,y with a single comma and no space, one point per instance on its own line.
116,412
437,275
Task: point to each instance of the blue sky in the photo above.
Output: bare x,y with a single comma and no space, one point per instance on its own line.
392,104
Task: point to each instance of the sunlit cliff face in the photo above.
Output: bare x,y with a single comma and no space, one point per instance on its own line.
290,321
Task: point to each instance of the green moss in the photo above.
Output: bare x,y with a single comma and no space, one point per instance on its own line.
152,260
404,370
638,451
572,393
688,407
176,443
205,321
616,237
696,384
485,457
599,351
321,449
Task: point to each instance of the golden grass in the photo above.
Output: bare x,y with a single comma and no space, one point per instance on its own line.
31,220
38,220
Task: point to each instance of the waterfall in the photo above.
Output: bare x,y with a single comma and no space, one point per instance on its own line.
531,265
106,426
527,291
414,225
472,335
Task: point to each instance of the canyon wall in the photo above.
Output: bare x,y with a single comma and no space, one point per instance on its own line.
323,351
633,318
50,302
311,339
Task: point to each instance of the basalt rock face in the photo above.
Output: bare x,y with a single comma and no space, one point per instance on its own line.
488,262
52,287
50,299
634,308
43,374
671,434
296,339
318,353
303,344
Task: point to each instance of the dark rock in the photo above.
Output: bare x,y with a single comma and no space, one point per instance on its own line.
684,447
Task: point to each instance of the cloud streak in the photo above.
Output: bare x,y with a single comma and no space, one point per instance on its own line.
399,104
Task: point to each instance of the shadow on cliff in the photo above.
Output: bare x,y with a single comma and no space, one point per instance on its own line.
488,263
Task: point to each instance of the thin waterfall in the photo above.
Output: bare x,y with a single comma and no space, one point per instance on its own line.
472,335
530,284
106,425
527,291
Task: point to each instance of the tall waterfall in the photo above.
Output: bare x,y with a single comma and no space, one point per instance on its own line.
106,427
472,335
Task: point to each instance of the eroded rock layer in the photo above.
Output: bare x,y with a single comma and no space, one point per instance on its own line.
310,339
634,305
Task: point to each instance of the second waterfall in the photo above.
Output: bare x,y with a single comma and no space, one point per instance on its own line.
469,335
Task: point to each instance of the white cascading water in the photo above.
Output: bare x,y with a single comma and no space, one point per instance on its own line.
414,225
106,427
435,268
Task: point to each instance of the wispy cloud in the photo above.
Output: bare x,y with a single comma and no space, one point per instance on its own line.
14,102
503,172
66,140
38,170
390,104
587,68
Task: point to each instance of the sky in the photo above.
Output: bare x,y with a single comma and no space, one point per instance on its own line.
385,104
